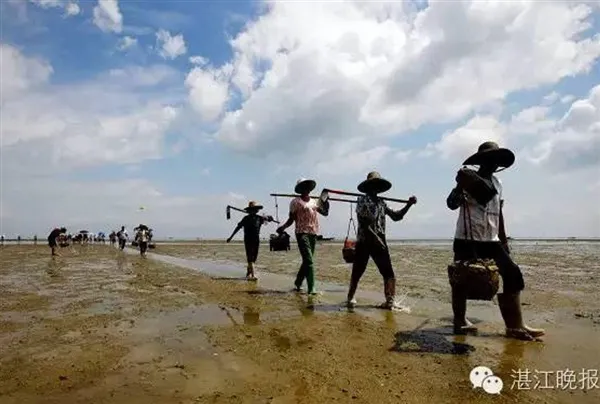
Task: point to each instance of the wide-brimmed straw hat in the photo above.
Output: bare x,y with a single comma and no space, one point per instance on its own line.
374,183
304,185
491,153
253,206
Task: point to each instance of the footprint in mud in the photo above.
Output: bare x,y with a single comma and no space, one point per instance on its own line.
429,341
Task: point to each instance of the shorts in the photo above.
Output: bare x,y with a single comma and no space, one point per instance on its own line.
512,277
251,246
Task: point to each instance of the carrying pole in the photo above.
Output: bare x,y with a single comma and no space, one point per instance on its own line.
243,211
313,197
334,191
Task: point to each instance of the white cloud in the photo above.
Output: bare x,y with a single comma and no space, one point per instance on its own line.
198,60
108,17
531,121
208,92
170,47
464,141
101,121
127,42
566,143
205,171
353,163
567,99
20,73
338,70
72,9
551,98
573,141
404,155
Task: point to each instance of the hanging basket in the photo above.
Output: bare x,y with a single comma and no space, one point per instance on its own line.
348,251
279,242
479,279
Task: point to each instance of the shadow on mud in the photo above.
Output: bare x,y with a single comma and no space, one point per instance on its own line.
429,341
268,292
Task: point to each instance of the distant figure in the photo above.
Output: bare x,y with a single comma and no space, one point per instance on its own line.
480,233
18,239
52,239
141,237
35,239
122,236
112,237
251,223
2,237
304,212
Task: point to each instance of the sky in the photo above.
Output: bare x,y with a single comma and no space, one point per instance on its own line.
185,107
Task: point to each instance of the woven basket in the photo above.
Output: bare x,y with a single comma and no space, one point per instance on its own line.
478,278
348,251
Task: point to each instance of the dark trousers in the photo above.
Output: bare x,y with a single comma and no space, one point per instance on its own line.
122,244
306,245
371,248
512,277
251,245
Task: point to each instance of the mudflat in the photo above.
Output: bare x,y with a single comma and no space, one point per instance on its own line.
102,326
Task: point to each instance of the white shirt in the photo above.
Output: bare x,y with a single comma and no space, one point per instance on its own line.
485,220
122,234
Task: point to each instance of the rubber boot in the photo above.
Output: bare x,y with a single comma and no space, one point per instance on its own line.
389,290
462,326
510,307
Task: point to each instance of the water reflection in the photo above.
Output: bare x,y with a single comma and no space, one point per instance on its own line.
251,316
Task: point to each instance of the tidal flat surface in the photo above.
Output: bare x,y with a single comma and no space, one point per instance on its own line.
98,325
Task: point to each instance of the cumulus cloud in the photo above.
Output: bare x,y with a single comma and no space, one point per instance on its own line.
208,91
20,72
198,60
573,141
170,47
464,141
127,42
338,70
100,121
107,16
561,143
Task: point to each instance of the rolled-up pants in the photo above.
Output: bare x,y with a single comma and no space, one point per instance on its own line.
371,248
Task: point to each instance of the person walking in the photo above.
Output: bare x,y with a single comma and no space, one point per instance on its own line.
122,236
304,213
371,211
251,223
480,233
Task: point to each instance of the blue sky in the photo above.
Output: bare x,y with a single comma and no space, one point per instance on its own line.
92,129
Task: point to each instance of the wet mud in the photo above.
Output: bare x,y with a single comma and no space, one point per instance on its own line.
97,325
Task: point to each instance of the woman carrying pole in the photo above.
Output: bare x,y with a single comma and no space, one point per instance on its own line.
370,239
303,212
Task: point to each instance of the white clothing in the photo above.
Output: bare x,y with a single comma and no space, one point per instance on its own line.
485,220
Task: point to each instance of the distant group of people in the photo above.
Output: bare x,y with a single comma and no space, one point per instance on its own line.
143,236
479,233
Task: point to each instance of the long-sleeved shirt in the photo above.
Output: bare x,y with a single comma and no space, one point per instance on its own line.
371,212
